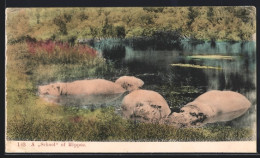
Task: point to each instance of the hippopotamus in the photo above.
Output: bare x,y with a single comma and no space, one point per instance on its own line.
210,107
82,92
82,87
145,106
129,83
85,92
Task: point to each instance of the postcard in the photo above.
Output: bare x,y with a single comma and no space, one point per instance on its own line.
131,80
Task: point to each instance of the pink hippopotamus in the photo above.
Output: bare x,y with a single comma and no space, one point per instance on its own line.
210,107
85,92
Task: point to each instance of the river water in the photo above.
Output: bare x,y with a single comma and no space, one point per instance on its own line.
180,85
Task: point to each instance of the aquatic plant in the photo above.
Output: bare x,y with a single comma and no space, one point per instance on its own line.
197,66
213,57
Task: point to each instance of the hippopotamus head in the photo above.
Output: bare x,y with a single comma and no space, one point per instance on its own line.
188,116
51,89
129,83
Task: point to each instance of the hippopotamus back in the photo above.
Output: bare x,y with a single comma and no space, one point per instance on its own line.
82,92
210,107
221,105
92,87
145,106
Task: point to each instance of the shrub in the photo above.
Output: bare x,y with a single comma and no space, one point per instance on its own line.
53,52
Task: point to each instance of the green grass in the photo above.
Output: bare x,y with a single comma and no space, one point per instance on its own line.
104,125
31,118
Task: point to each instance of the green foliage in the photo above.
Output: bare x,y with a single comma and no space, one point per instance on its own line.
204,23
155,9
61,24
193,13
120,31
147,19
107,29
83,17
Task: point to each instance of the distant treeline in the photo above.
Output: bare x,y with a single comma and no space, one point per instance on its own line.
72,24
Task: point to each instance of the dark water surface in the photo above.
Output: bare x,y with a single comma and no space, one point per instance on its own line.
180,85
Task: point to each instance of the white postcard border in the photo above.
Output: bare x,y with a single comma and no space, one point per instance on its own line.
129,147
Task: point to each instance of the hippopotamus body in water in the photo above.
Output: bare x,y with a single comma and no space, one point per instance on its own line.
210,107
87,92
145,106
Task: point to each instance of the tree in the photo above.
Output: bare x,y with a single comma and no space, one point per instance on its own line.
61,24
193,13
153,9
107,29
120,31
18,26
213,23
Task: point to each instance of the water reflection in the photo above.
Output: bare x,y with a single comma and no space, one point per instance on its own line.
85,101
236,74
153,65
114,52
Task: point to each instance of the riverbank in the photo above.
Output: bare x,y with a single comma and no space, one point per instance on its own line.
25,72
